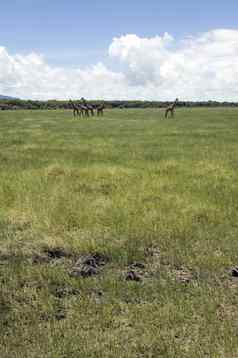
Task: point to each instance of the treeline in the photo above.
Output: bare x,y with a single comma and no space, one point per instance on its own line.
14,104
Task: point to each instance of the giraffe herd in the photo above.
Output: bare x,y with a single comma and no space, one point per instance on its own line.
85,109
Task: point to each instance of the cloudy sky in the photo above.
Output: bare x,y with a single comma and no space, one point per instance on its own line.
127,49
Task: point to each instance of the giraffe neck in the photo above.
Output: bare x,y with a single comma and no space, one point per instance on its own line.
73,104
84,101
174,104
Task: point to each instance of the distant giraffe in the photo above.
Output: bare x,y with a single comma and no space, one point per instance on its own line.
91,109
84,110
76,110
88,106
170,109
100,109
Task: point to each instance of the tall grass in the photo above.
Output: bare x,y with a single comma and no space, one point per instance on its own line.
124,185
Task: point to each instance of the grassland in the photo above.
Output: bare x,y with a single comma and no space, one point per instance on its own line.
135,189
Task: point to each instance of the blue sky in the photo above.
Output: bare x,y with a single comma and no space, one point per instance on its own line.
125,49
74,32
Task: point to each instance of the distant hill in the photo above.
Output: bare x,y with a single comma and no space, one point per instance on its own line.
6,97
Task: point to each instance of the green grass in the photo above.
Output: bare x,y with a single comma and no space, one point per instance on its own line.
122,186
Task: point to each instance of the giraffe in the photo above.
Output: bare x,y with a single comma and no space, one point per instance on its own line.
100,109
77,111
91,109
84,110
88,106
170,109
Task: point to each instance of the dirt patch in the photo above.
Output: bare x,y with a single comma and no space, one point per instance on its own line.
152,251
56,253
234,272
138,265
84,271
136,272
232,283
89,265
183,275
133,276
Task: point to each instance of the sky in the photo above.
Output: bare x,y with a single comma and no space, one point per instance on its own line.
127,49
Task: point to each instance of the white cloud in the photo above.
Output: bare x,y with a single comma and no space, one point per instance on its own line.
198,67
201,67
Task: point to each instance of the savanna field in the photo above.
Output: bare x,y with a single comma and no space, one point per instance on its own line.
118,234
